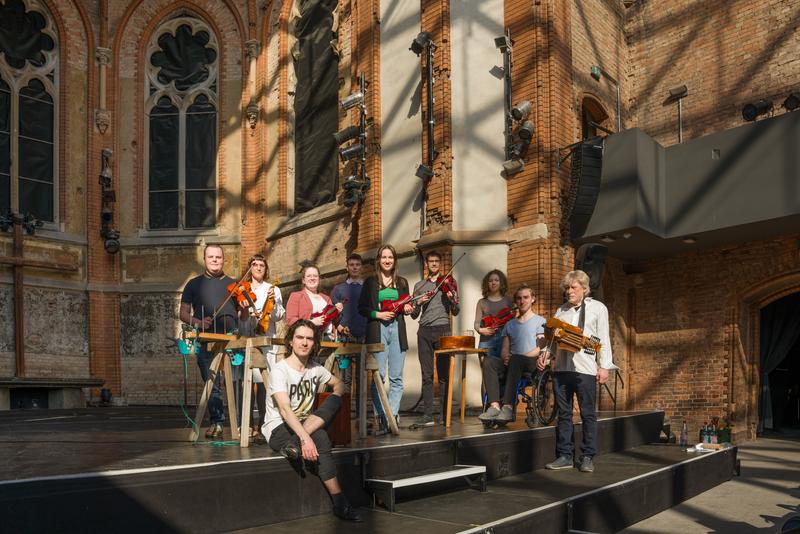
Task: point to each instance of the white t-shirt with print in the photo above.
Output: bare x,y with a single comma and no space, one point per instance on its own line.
302,389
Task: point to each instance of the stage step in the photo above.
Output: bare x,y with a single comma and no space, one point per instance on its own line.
385,487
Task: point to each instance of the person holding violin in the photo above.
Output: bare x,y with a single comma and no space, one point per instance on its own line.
433,310
205,305
268,300
387,327
495,303
309,303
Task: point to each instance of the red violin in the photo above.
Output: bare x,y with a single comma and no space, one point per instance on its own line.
243,294
499,319
447,284
396,306
329,314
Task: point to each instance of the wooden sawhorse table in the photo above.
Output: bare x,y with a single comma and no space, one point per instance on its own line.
453,353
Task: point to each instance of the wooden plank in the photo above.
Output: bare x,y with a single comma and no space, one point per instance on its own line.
247,394
229,392
203,404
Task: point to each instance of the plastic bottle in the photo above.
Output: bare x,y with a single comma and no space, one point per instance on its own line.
713,434
704,433
684,436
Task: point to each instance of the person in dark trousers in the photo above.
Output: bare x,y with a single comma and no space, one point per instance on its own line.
291,425
434,322
201,298
576,374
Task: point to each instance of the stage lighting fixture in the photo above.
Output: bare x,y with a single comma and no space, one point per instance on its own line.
353,182
342,136
351,151
419,43
519,149
521,110
525,131
424,172
111,243
503,43
678,92
792,102
513,166
352,101
751,111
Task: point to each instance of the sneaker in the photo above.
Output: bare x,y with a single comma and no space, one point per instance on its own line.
562,462
290,451
424,420
348,513
490,414
587,465
506,414
214,431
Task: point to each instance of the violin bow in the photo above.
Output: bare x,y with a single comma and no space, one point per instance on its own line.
224,302
452,267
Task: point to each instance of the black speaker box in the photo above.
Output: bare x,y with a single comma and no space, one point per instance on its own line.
587,165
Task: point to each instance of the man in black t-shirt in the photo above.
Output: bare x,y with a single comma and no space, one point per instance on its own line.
200,299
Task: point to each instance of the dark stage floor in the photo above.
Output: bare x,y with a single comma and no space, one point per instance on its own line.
461,510
45,443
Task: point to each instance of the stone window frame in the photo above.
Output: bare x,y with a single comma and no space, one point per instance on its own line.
182,100
18,79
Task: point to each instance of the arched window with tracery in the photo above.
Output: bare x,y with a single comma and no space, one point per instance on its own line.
28,110
181,126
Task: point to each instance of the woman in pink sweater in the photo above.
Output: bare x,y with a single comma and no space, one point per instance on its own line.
308,301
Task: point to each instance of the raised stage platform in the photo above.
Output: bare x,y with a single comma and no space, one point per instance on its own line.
131,470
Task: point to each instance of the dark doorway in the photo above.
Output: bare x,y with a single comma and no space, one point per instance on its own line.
779,400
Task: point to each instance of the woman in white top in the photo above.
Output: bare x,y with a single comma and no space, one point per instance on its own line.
264,291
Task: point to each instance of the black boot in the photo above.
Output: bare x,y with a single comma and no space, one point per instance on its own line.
343,510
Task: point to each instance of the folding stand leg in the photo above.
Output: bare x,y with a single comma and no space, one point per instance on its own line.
213,370
362,390
229,387
247,394
384,399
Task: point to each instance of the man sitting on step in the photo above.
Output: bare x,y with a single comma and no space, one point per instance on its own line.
290,425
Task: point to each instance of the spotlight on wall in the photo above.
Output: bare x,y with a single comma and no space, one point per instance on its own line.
792,102
525,131
354,188
351,101
521,110
518,150
752,111
349,152
424,172
678,92
513,166
419,43
342,136
503,43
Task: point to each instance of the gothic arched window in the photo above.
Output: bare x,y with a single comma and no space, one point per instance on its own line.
181,125
28,110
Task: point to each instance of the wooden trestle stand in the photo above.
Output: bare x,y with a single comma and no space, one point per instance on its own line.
220,344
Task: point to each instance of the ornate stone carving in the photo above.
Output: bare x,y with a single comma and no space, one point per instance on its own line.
252,112
103,56
252,48
102,118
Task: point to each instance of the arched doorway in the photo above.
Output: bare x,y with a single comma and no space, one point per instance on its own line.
779,364
592,115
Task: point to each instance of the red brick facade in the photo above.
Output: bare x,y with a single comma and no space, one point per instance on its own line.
684,328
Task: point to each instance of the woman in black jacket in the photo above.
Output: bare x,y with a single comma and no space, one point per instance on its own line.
386,327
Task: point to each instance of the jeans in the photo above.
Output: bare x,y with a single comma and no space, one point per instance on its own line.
565,385
393,358
216,413
494,344
427,342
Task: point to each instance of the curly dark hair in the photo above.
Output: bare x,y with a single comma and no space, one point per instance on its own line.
290,335
503,282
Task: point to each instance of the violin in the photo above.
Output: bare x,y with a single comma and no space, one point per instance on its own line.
499,319
398,305
448,285
329,314
242,293
266,311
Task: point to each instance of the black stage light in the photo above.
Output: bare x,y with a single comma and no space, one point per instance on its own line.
751,111
503,43
419,43
353,182
342,136
111,243
352,101
519,149
351,151
513,166
792,102
424,172
521,110
525,131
